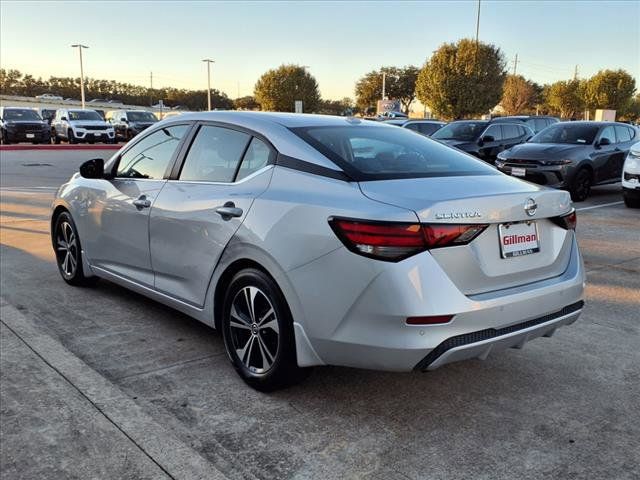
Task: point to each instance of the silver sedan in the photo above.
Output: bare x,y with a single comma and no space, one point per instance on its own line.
314,240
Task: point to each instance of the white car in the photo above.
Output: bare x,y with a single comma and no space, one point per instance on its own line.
77,125
631,177
49,96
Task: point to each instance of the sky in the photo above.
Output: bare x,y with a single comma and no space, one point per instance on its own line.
338,41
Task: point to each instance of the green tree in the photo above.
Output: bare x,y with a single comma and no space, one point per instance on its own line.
336,107
565,98
279,88
609,89
246,103
462,79
400,84
519,95
632,111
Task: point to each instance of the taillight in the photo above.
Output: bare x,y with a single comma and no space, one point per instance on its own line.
392,241
568,221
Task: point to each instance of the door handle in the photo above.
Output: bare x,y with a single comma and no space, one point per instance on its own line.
142,202
228,211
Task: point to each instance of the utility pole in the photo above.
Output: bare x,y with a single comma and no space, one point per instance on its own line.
208,61
79,46
384,85
478,26
575,73
151,89
515,65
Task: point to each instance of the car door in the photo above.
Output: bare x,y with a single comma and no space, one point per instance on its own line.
198,212
488,150
604,155
624,136
117,237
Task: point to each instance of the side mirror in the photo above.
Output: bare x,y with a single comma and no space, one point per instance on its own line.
93,168
487,138
64,119
124,120
604,142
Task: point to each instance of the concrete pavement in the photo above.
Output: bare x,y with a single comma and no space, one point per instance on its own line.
564,407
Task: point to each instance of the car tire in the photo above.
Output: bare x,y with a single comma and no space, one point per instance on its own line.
581,185
66,244
5,141
55,137
258,332
71,137
631,202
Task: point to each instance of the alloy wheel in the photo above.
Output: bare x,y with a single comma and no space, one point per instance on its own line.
254,330
67,249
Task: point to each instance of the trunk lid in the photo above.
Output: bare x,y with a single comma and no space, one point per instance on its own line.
493,199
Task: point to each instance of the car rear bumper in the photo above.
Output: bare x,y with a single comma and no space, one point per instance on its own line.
371,332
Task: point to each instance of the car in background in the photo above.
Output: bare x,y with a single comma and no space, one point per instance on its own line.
320,240
392,114
536,123
572,155
424,127
100,112
483,138
47,114
77,125
129,123
631,177
49,97
22,125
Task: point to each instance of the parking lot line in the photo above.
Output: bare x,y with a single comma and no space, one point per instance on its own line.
599,206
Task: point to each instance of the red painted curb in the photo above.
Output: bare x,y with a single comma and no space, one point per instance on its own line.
61,147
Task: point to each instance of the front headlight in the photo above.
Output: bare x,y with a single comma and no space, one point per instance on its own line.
557,162
502,156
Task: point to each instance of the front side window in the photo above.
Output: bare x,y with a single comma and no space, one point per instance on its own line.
510,131
493,131
609,134
378,152
150,157
214,155
567,133
428,128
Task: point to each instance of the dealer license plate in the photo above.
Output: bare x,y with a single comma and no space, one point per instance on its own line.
518,171
517,239
31,135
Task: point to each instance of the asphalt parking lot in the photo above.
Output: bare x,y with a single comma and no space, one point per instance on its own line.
104,383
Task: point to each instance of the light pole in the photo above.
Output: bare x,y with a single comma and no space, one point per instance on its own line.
208,61
79,46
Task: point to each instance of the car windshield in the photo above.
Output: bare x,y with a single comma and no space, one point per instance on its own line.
21,114
83,115
568,133
141,117
379,152
467,131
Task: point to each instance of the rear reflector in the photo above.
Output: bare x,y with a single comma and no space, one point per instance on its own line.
433,320
392,241
568,221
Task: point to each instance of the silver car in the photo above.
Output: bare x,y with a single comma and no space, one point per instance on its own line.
315,240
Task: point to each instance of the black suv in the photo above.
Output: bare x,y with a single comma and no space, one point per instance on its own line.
129,123
572,155
534,122
22,125
483,138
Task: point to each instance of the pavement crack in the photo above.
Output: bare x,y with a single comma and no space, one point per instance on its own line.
167,367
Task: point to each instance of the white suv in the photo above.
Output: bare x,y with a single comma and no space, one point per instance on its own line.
631,177
79,125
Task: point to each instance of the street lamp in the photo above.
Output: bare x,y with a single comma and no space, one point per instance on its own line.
79,46
208,62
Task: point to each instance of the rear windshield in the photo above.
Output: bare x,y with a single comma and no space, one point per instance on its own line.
378,152
84,115
466,131
20,114
565,132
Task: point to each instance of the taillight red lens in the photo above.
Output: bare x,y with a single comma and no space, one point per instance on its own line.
394,241
568,221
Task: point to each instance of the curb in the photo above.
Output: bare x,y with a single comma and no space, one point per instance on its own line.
172,455
106,146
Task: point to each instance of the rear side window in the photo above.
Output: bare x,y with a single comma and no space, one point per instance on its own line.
257,156
428,128
412,126
510,131
623,133
377,153
214,155
539,124
150,157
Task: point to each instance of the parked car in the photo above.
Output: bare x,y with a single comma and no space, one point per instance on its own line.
76,125
318,240
392,114
100,112
22,125
572,156
631,177
424,127
536,123
47,114
129,123
483,138
49,97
